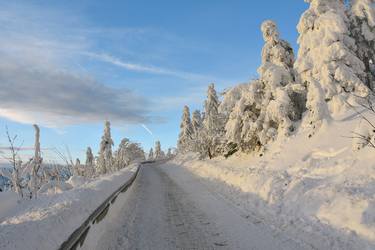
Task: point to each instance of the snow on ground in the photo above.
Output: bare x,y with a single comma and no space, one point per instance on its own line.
169,208
318,189
47,222
8,202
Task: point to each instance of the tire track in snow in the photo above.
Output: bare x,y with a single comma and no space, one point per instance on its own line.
158,214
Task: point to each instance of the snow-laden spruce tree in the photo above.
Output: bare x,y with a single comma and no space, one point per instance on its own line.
213,125
196,122
89,157
158,151
105,161
242,130
362,18
186,132
134,152
162,155
327,63
151,155
90,162
121,159
169,153
127,153
268,106
282,100
197,125
230,98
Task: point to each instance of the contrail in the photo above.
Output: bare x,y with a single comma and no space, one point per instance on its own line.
147,129
143,68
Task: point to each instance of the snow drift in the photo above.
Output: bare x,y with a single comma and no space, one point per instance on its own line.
45,223
317,188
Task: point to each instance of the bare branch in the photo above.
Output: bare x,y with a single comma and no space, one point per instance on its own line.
362,116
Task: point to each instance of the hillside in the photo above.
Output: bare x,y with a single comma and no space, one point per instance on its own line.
317,188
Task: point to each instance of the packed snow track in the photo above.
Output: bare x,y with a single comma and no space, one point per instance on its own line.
168,208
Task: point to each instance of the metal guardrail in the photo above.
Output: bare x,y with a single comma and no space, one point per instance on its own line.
77,238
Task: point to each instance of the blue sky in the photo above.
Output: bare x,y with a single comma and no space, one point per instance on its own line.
69,65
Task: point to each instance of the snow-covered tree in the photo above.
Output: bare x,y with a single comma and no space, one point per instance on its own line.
16,164
36,164
105,161
127,153
151,155
212,118
158,151
90,161
197,126
213,124
121,159
186,132
267,107
276,51
362,19
230,98
327,62
134,152
196,122
242,128
280,102
89,157
169,153
162,155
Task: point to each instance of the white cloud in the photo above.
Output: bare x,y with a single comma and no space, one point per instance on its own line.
44,79
55,98
39,80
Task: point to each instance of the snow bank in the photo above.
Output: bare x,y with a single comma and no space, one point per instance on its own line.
47,222
318,188
8,202
76,181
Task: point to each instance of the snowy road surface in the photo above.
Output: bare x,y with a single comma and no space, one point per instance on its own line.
168,208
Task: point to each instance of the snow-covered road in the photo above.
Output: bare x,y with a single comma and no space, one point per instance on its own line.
168,208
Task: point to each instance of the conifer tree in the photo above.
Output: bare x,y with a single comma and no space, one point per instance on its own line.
169,153
89,162
268,106
186,132
362,20
121,154
327,62
158,151
196,121
105,161
212,124
197,126
279,107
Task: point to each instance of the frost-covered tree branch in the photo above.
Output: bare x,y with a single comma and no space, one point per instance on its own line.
15,161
